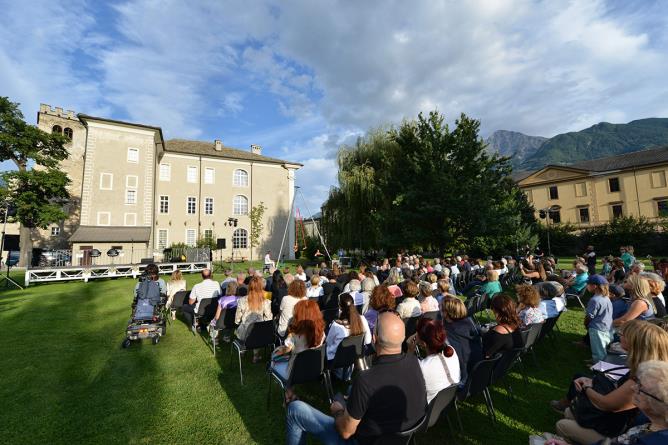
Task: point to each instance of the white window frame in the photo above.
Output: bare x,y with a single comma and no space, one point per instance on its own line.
55,230
206,203
127,194
166,232
129,185
234,212
160,205
131,158
194,212
212,178
188,179
168,176
107,214
234,246
134,219
111,181
194,232
208,230
661,175
234,178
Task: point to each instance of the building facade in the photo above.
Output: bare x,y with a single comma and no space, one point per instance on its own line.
125,176
597,191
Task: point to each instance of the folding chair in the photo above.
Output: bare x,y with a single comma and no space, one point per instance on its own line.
577,297
438,405
548,327
478,381
348,352
225,321
260,335
179,299
504,365
401,437
306,366
433,315
205,311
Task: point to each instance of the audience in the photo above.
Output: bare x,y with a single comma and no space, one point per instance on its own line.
331,291
315,290
505,335
491,286
368,285
528,308
296,293
598,318
349,323
427,302
279,289
463,334
656,287
381,300
175,284
641,307
553,300
206,289
250,309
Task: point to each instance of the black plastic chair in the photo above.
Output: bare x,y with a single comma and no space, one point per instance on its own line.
306,366
347,353
478,381
433,315
329,315
438,405
504,365
179,299
206,310
548,327
401,437
260,335
225,321
411,325
529,338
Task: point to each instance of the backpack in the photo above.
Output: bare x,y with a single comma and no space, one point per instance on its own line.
149,290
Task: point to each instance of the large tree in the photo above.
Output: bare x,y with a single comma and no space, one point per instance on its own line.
37,189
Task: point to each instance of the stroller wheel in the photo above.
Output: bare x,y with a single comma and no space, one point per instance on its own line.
125,343
156,340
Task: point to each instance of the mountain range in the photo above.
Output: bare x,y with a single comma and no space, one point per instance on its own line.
600,140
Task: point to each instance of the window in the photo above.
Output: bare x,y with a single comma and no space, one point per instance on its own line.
191,237
208,206
103,218
164,204
68,133
133,155
583,213
106,181
191,176
240,239
529,195
130,219
581,189
57,129
658,179
613,184
617,211
554,192
662,208
555,215
209,175
165,172
55,231
240,205
162,239
208,235
131,197
131,181
240,178
191,206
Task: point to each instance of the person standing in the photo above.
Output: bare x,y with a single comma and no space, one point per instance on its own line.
598,320
590,258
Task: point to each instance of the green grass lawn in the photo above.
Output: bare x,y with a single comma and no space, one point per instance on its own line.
67,380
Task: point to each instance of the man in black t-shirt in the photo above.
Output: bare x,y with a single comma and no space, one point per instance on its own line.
390,397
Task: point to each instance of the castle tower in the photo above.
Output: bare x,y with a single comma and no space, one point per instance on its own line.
67,123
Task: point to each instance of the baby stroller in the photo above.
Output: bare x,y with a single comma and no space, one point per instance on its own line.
148,314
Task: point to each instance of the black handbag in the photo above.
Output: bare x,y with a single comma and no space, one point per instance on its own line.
609,424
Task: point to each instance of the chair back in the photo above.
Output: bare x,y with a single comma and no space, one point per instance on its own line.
329,315
474,304
480,376
507,360
307,366
439,404
348,351
179,298
411,325
207,307
433,315
547,327
226,319
530,335
261,334
401,437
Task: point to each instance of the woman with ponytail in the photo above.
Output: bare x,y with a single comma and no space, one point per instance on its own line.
349,323
440,367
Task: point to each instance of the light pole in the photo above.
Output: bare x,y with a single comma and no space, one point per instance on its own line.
232,222
546,214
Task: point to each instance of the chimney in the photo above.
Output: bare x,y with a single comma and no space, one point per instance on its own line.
256,149
219,145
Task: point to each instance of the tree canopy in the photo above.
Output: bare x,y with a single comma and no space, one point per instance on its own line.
426,186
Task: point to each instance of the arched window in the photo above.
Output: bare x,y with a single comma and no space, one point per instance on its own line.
240,178
57,129
240,239
68,132
240,205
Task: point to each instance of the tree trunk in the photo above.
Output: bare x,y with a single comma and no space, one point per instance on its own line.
25,245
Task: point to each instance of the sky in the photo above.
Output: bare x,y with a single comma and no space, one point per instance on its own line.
302,78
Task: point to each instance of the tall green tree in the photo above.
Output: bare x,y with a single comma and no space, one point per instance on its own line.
37,188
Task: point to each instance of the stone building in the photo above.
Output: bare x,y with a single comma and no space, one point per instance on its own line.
133,190
594,192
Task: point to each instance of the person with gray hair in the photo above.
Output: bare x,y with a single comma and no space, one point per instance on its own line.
368,285
389,397
656,288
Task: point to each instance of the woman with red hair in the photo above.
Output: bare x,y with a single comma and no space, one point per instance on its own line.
306,330
440,367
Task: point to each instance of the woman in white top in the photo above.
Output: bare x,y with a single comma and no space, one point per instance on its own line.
349,323
410,307
296,293
427,301
176,283
315,291
299,273
440,368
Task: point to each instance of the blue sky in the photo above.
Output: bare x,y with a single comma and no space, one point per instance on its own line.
303,77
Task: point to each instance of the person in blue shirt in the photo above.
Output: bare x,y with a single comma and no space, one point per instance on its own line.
578,283
599,316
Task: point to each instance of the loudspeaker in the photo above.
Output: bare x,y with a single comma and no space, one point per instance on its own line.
11,243
220,243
